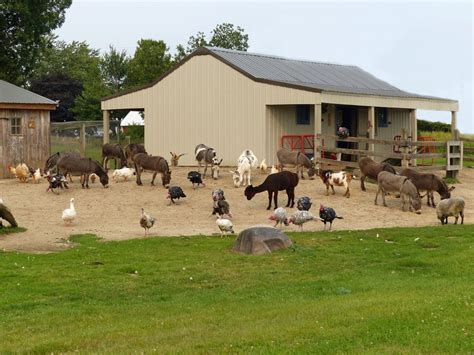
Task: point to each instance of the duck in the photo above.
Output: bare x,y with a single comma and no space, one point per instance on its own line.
69,214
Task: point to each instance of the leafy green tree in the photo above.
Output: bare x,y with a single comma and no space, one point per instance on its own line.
224,35
58,87
114,68
151,59
87,104
25,30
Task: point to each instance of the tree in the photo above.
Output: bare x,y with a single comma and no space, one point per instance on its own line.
25,30
151,59
58,87
87,104
114,67
224,35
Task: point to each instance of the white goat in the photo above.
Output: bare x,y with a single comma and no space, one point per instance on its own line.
246,162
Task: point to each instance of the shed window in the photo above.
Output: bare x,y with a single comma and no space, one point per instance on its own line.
381,115
15,125
302,114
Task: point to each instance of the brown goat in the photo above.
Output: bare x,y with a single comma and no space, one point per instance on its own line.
156,164
371,169
175,158
284,180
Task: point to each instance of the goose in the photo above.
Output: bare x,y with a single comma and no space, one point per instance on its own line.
69,214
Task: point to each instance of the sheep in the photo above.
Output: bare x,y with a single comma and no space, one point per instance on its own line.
284,180
451,207
246,162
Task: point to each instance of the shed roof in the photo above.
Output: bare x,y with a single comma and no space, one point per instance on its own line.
300,74
12,94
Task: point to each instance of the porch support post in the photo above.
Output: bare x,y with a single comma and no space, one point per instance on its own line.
413,133
371,127
317,132
454,123
106,122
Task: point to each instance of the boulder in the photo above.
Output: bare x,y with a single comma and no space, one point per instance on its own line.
261,240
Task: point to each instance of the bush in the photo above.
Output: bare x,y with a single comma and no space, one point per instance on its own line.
433,126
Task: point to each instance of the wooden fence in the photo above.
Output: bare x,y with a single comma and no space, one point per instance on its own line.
409,152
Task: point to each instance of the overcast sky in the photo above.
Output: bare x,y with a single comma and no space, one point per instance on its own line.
424,47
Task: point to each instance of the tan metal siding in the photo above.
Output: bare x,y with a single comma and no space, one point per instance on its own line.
399,119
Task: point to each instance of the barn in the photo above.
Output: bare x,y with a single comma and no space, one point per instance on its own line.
24,127
233,100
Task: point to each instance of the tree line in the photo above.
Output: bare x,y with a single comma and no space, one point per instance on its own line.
76,74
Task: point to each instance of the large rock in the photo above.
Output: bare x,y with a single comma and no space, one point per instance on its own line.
261,240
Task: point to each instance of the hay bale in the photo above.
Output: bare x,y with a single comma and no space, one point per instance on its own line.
261,240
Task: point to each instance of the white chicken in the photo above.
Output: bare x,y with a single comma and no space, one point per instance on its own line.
225,225
279,216
146,221
274,170
69,214
124,173
37,176
301,217
263,166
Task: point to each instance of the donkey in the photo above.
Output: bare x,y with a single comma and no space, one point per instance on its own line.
371,169
208,156
429,183
113,151
84,167
156,164
389,182
131,150
52,161
294,158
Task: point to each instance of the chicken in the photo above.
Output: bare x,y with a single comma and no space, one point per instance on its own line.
21,172
69,214
304,203
93,177
56,181
327,214
146,221
7,215
301,217
175,193
37,176
263,167
279,216
225,226
196,178
221,208
274,170
124,173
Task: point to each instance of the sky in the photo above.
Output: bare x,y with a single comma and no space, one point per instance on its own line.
420,47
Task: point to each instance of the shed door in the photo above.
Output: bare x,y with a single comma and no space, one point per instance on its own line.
16,140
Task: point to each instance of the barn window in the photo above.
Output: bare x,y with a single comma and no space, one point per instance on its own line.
381,115
302,114
15,127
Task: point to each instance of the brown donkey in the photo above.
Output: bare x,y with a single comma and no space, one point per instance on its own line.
156,164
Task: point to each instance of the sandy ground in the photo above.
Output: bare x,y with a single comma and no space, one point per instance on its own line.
114,213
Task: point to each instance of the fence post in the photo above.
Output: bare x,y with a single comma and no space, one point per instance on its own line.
371,127
83,139
317,132
455,157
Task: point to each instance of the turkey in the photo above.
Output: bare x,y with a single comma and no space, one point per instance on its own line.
69,214
196,178
218,194
327,214
301,217
146,221
175,193
225,226
221,208
7,215
304,203
279,216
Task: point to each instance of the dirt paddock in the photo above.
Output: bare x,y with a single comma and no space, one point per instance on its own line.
114,213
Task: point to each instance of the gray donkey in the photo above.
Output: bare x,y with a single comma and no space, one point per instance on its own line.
389,182
294,158
207,155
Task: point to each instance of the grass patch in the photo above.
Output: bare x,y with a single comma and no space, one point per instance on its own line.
332,292
10,230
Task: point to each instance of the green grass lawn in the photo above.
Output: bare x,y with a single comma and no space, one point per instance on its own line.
333,292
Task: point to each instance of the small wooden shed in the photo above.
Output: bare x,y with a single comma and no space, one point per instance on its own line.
24,127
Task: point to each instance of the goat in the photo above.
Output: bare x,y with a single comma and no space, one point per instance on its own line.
339,179
284,180
175,158
246,162
215,166
207,155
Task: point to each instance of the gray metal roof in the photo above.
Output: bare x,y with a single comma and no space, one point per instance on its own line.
313,75
12,94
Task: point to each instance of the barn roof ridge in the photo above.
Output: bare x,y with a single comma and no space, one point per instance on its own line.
12,94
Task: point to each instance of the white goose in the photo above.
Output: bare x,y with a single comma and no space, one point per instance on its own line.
69,214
